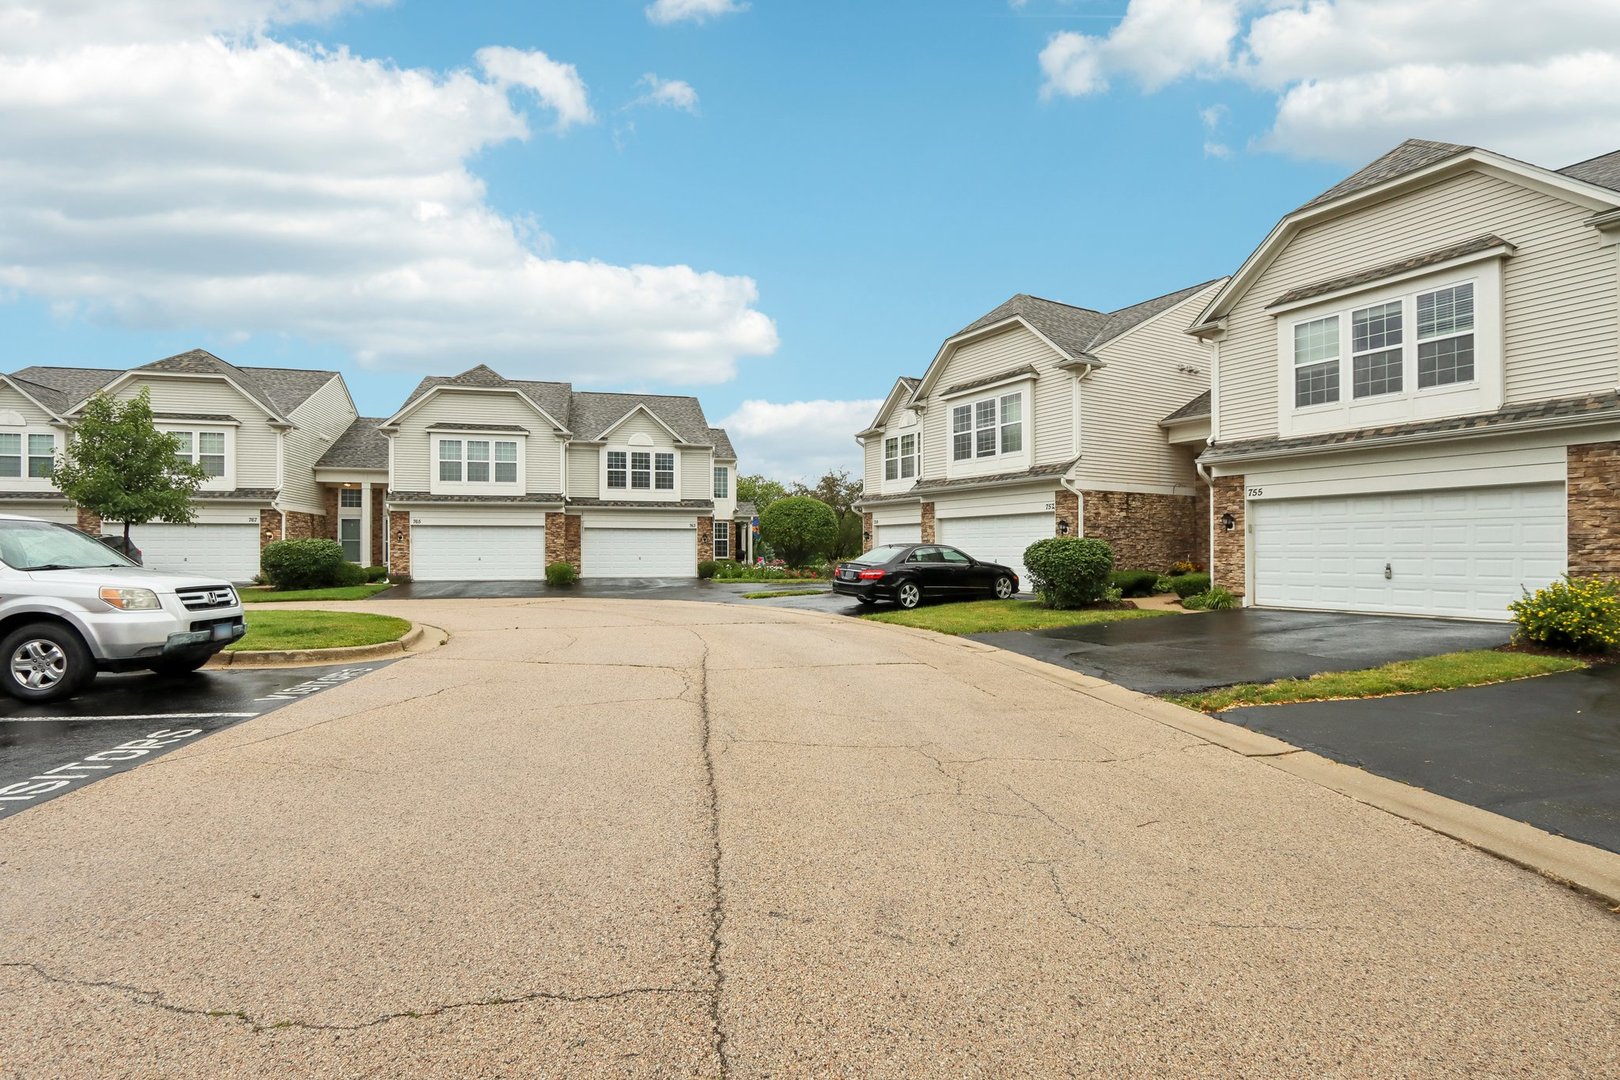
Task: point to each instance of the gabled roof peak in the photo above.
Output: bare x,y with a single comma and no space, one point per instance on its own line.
480,375
1408,157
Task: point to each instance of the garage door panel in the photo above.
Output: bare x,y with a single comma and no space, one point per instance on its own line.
639,553
997,539
478,552
1457,552
910,533
218,551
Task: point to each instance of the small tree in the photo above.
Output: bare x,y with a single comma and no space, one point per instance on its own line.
841,493
799,527
753,488
119,466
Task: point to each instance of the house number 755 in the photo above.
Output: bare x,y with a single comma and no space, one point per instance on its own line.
1255,493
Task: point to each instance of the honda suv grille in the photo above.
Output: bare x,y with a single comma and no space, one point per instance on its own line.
202,598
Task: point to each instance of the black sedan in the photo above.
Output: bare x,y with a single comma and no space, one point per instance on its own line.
906,573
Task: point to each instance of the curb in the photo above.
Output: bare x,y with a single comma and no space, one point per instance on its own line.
1582,867
410,643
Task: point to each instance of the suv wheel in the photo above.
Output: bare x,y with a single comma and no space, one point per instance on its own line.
44,662
908,595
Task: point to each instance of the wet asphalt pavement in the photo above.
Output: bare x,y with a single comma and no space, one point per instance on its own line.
1544,751
122,721
708,592
1219,648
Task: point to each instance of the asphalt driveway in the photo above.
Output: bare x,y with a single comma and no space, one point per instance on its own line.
708,592
1178,654
640,839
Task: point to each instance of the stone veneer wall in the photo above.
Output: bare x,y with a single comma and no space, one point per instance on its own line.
1201,525
928,523
1067,509
399,543
379,527
269,527
329,502
868,530
1594,509
705,539
1230,557
88,521
1147,531
302,526
562,539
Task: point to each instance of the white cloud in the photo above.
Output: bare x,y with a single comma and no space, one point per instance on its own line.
670,93
1354,77
558,86
799,440
248,186
664,12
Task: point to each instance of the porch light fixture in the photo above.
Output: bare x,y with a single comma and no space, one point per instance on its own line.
1228,522
867,536
1062,527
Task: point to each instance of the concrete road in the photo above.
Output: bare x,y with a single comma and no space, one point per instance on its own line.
619,838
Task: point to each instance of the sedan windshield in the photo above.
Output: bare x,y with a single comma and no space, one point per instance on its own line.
41,545
880,555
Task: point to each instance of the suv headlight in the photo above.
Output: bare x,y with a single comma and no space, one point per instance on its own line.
130,599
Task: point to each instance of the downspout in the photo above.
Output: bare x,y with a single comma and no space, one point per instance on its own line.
1079,509
1209,522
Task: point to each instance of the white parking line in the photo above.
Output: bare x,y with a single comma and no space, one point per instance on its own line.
131,716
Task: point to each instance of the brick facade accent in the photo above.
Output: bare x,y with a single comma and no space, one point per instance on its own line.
1146,531
269,527
379,527
562,539
928,523
302,526
329,502
399,543
1230,557
705,539
1594,509
87,521
1068,509
868,530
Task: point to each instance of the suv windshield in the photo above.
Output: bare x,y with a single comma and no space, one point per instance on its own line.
879,555
42,545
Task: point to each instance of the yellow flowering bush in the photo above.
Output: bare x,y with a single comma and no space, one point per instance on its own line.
1579,614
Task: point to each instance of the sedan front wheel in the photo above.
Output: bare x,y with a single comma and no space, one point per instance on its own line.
908,595
1004,588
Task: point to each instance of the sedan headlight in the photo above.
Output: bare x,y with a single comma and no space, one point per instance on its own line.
130,599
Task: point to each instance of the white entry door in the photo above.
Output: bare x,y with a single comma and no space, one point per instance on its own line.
217,551
638,553
478,552
997,539
1463,553
898,534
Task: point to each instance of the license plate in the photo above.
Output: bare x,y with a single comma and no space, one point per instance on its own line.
222,631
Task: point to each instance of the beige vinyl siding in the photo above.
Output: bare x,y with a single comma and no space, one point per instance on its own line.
413,444
1121,404
257,449
321,418
697,474
1559,303
640,424
1005,351
873,460
32,414
584,472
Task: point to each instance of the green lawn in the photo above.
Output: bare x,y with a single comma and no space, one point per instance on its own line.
993,616
767,594
347,592
317,630
1450,671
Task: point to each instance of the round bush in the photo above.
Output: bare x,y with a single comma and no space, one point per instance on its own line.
376,573
1069,571
706,569
350,574
799,528
1579,614
1185,585
304,564
561,573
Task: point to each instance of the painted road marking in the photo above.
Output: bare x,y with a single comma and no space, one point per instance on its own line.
315,686
130,716
52,780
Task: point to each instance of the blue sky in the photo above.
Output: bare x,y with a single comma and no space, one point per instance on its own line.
776,206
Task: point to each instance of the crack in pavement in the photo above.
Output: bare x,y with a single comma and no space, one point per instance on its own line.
157,999
1068,905
717,903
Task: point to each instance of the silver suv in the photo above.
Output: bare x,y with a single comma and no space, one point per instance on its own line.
71,606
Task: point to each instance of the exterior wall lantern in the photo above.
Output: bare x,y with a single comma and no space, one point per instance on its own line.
1228,522
1062,527
867,535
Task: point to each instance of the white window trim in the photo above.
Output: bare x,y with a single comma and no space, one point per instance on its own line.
464,486
629,493
23,481
721,529
1411,403
1001,460
721,475
901,457
226,482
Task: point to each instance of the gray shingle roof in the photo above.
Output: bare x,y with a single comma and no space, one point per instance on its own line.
594,413
279,390
1128,318
974,384
1195,409
722,445
553,397
203,362
361,446
1409,157
1039,471
633,504
1069,328
747,510
1390,269
427,497
71,384
479,427
241,495
1597,407
209,418
288,388
1603,170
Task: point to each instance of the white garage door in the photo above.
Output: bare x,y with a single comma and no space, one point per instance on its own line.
478,552
639,553
898,534
218,551
997,539
1462,553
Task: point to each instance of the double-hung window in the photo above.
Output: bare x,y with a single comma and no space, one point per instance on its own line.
618,469
989,427
900,457
1375,350
205,448
1445,332
641,469
1316,362
478,461
722,539
664,472
722,482
36,463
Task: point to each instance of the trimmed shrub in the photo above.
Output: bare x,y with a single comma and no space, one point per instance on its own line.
1185,585
350,573
1185,567
1069,571
1216,599
1578,614
376,573
399,579
706,569
800,528
561,573
1134,582
304,564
